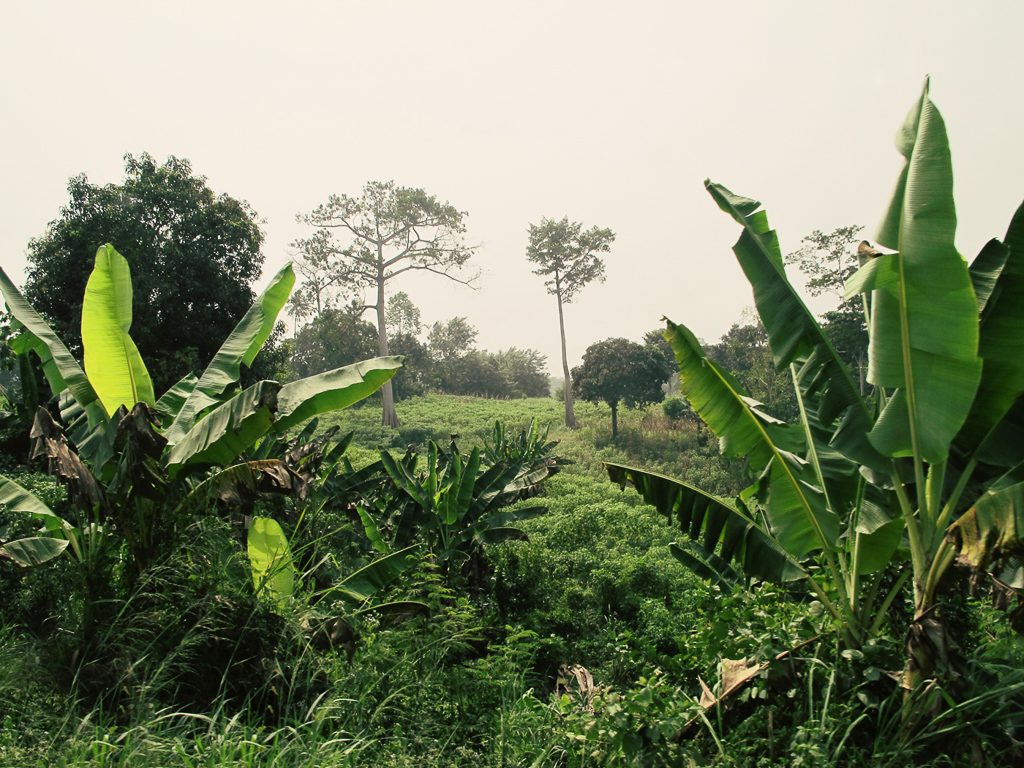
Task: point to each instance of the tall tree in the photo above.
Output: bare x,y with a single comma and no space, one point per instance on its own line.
828,260
370,240
168,224
403,316
567,255
619,370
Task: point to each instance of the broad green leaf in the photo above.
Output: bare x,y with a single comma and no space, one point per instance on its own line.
799,517
992,529
360,586
715,524
270,557
170,402
112,361
34,550
986,269
19,500
707,565
924,326
332,390
241,347
1002,342
793,332
61,369
229,429
458,498
372,531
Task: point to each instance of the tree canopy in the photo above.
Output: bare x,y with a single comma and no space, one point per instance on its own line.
619,370
193,255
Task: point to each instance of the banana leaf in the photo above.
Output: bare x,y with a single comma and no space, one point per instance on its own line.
270,558
924,324
240,348
34,550
360,586
112,361
715,524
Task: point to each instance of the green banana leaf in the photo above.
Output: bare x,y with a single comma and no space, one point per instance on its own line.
800,520
706,564
985,270
715,524
34,550
1001,344
793,332
270,558
360,586
18,499
457,499
229,429
241,347
924,324
61,369
332,391
170,402
112,361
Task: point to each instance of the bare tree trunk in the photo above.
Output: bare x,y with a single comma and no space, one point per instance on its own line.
390,416
570,416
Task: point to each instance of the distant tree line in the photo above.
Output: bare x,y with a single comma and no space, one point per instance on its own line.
446,361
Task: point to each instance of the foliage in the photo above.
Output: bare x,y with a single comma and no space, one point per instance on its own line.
333,338
139,467
169,224
366,242
567,256
619,370
858,498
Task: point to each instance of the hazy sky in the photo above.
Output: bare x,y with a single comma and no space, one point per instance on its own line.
609,113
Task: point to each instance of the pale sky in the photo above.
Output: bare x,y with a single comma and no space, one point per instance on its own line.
610,113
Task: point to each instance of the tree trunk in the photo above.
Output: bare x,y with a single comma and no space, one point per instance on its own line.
570,416
389,417
615,420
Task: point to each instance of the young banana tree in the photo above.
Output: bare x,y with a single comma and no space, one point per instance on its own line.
895,484
133,459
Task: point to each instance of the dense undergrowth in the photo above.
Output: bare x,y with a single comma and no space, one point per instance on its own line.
586,645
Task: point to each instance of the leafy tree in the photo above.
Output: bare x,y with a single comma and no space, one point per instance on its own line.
187,247
619,370
524,371
366,242
414,377
829,260
334,338
567,255
403,316
452,339
475,373
866,499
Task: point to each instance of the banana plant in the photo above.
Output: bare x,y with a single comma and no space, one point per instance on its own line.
455,505
133,458
864,499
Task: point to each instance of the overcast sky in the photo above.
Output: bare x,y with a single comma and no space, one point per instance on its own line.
610,113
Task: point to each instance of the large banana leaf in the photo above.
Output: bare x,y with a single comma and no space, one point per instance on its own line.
332,391
924,324
34,550
715,523
112,361
1002,339
241,347
170,402
270,558
61,369
793,333
229,429
800,520
18,499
